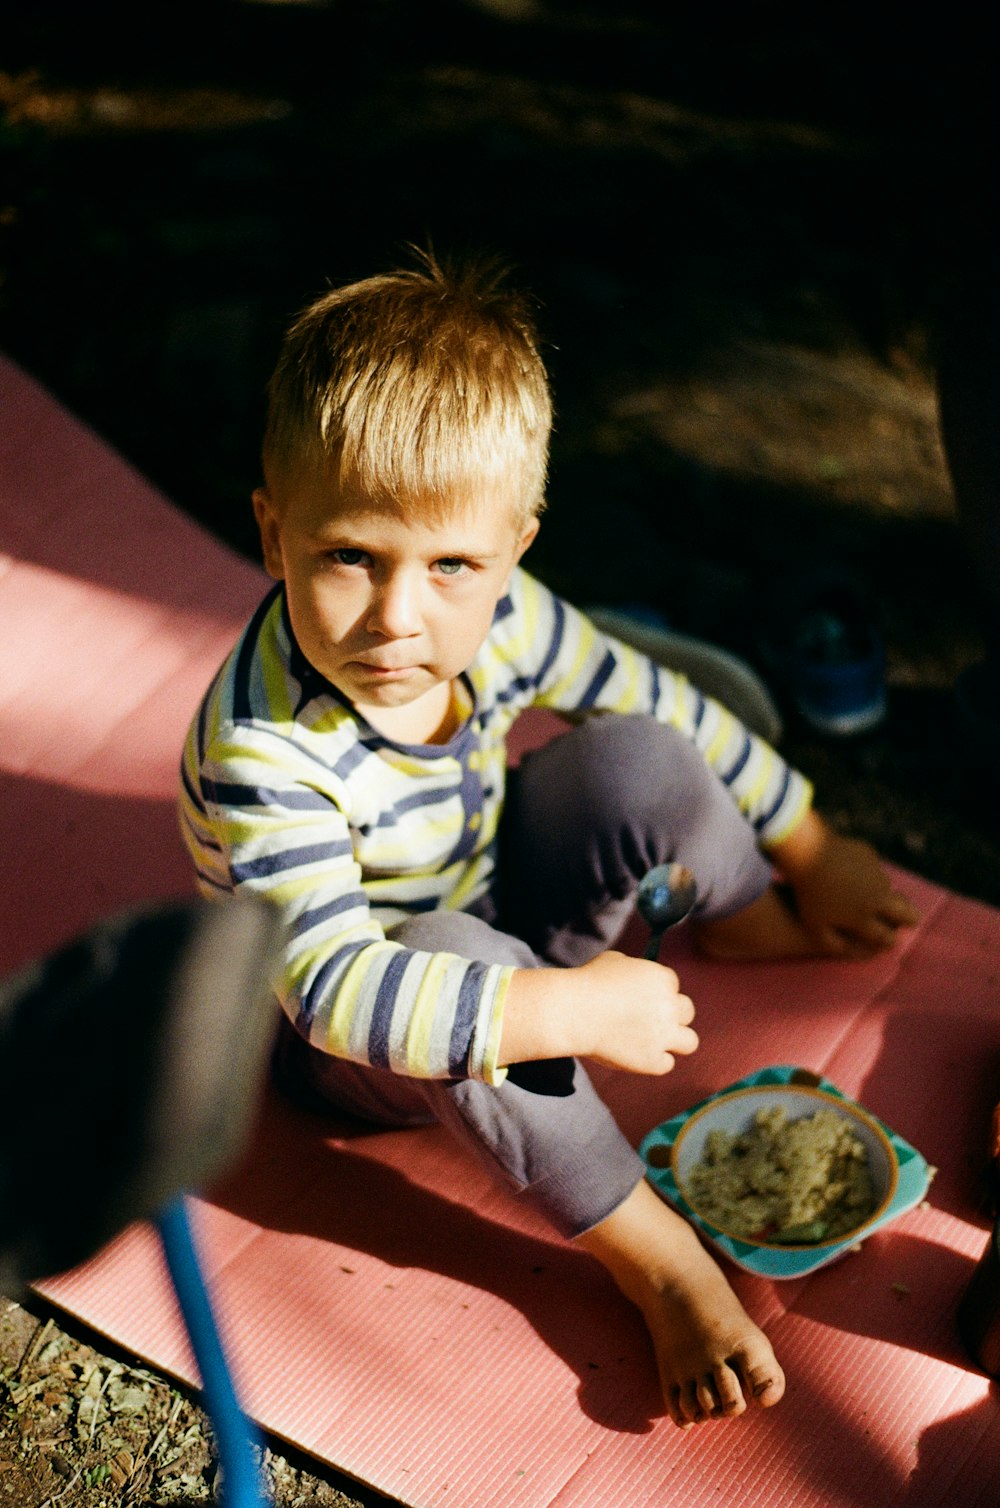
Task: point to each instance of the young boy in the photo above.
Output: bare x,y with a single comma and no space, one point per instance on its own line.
450,920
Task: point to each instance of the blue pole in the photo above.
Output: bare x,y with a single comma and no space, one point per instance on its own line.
234,1433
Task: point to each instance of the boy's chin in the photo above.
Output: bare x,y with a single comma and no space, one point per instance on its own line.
407,714
399,691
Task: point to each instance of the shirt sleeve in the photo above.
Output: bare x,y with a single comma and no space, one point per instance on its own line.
258,815
581,671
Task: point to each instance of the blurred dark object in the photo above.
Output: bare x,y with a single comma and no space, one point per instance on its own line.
130,1066
821,642
979,1310
978,716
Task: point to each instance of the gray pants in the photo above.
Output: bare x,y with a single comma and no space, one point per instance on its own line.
585,818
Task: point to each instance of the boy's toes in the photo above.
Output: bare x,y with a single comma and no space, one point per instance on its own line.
764,1380
751,1375
692,1411
708,1398
699,1401
678,1402
716,1395
729,1399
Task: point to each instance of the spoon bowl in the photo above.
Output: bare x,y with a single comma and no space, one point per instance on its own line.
665,896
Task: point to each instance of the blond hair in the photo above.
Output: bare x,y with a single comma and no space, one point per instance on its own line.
420,386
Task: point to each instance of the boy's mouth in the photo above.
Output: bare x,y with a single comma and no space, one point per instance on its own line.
383,672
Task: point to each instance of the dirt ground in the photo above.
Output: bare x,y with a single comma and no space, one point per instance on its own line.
738,236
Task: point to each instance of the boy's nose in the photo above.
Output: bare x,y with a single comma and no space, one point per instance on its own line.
394,610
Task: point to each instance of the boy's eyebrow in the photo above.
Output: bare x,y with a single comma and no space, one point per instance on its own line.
344,535
483,555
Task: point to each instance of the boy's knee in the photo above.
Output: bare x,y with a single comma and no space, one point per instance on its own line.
629,763
564,1153
631,786
662,801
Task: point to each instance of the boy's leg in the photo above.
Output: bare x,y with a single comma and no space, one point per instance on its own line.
712,1359
566,1154
589,813
562,1150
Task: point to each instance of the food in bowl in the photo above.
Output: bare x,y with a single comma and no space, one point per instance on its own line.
798,1180
672,1149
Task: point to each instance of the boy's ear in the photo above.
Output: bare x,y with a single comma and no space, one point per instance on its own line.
270,533
527,538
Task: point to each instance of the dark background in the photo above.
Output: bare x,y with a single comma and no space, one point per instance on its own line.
739,223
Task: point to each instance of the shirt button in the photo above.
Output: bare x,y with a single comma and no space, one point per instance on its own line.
475,822
474,760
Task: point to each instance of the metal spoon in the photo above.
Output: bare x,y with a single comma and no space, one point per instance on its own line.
665,896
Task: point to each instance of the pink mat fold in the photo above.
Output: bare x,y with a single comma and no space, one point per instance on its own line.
387,1308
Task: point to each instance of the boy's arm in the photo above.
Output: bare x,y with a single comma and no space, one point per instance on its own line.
252,825
577,670
256,817
844,899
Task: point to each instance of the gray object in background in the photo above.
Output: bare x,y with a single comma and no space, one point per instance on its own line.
715,671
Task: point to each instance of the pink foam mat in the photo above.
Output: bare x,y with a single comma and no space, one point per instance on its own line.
387,1308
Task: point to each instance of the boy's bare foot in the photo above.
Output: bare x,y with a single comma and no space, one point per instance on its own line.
838,901
712,1359
767,928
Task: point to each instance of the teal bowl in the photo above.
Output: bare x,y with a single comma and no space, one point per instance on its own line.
900,1175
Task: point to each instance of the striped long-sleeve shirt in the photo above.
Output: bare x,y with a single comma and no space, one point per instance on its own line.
287,791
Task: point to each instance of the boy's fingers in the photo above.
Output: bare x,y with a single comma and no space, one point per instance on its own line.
899,911
872,936
832,942
684,1009
685,1041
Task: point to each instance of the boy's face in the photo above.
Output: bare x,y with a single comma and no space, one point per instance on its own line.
389,609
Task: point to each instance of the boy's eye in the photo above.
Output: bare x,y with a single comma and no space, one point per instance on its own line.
450,566
348,557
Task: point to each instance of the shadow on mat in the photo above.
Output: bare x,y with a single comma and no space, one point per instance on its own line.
937,1077
312,1176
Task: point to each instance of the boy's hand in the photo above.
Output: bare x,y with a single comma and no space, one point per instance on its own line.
634,1014
623,1011
844,897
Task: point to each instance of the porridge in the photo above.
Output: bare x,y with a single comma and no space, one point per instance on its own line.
784,1180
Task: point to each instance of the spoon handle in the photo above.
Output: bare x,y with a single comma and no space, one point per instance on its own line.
653,946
